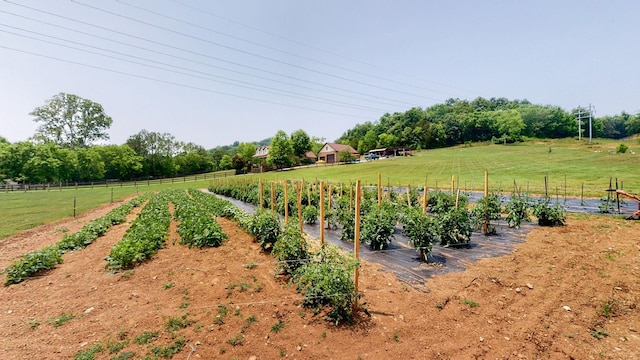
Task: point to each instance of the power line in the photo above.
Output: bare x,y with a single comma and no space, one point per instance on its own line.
248,52
271,47
190,52
177,84
249,86
194,8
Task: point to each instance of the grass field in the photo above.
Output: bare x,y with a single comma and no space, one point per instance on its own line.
588,165
581,164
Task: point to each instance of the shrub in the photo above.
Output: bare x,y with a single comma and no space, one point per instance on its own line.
327,280
266,228
518,210
310,214
487,209
290,249
378,227
420,229
454,227
621,149
549,215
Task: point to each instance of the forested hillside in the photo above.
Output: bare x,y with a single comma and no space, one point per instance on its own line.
498,119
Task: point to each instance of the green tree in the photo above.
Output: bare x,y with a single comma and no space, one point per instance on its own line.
280,151
226,162
346,156
632,125
157,151
90,164
71,121
120,162
301,143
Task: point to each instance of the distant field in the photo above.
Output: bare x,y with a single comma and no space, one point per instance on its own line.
588,165
23,210
583,165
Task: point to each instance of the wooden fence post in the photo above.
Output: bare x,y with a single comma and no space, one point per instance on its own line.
356,243
322,213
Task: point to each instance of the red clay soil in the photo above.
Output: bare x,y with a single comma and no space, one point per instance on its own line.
571,292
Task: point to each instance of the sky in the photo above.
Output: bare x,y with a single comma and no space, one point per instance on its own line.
212,72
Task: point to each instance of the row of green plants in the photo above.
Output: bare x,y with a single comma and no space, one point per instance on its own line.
145,236
197,226
324,277
448,221
36,262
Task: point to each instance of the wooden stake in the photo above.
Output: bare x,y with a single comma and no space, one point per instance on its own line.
379,190
286,203
322,213
485,227
260,190
299,193
409,195
356,242
273,197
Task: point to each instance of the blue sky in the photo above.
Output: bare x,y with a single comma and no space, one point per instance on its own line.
213,72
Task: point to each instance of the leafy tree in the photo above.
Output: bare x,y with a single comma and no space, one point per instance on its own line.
632,125
346,156
226,163
280,151
71,121
157,151
90,164
120,162
301,143
316,144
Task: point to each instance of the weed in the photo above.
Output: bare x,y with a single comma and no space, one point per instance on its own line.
302,313
125,355
396,338
277,326
170,350
184,305
222,310
570,336
599,333
250,265
175,324
324,334
236,340
145,337
63,318
283,352
223,350
90,353
114,347
237,312
608,308
198,327
250,320
471,303
127,274
34,323
168,285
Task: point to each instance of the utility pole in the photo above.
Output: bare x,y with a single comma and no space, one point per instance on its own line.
590,127
579,124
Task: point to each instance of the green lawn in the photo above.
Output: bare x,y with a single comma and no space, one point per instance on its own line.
582,164
527,164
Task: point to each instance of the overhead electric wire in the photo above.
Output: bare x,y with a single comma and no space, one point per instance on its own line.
249,86
413,76
249,52
197,53
176,83
274,48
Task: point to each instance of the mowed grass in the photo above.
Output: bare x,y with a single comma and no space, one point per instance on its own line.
582,164
24,210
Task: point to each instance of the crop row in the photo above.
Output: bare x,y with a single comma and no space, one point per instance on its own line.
197,225
47,258
145,236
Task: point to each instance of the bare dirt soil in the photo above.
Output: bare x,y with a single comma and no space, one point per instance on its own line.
571,292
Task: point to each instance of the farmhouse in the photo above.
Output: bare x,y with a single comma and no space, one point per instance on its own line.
261,154
329,152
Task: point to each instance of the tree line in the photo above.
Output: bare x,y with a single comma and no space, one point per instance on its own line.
64,147
497,119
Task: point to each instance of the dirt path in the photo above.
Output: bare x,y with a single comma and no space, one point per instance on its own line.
564,293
